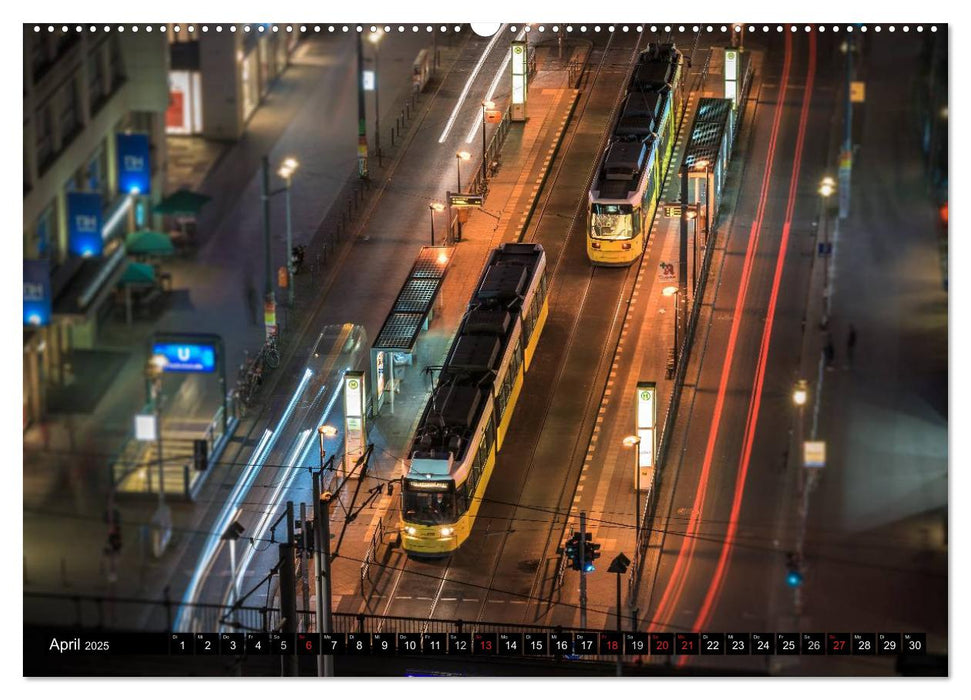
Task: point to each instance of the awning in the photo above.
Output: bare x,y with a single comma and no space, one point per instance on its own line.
149,243
138,273
183,201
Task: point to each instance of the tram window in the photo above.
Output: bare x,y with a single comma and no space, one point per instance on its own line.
462,497
611,221
428,508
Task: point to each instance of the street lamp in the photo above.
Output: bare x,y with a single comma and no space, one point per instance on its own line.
705,165
672,291
487,104
635,442
800,395
692,215
459,157
232,534
161,521
325,431
375,39
827,187
432,208
286,171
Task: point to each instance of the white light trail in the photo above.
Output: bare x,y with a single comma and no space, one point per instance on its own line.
468,85
229,509
297,457
477,122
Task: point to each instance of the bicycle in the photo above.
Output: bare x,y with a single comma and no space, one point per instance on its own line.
271,352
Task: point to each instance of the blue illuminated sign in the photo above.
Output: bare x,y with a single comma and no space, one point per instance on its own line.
84,224
187,357
134,169
37,293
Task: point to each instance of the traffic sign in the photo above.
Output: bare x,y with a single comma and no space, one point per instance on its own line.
493,116
672,211
857,91
814,454
460,201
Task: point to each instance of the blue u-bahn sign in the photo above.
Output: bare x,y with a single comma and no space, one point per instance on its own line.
187,357
134,169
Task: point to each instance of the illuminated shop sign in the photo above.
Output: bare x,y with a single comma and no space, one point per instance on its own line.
37,293
84,224
134,167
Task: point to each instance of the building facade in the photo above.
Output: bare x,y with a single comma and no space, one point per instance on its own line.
218,77
94,165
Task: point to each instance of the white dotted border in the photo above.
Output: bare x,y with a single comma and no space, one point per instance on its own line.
401,28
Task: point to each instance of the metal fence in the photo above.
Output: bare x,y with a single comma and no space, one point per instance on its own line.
103,613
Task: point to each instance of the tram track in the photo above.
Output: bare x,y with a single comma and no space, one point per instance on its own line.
446,571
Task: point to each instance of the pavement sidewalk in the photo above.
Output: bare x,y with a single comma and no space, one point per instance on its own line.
876,548
66,460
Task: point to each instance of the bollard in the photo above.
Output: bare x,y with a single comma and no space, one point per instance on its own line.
392,136
407,110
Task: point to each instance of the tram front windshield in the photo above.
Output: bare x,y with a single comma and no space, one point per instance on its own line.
427,508
612,221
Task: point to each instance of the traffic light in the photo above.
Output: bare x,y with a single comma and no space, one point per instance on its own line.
591,551
572,551
793,571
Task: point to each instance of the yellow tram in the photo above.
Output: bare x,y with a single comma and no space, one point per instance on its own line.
468,413
624,195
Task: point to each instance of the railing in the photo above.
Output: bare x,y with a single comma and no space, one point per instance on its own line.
377,538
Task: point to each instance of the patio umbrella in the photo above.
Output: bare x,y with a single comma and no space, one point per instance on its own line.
181,202
138,273
149,243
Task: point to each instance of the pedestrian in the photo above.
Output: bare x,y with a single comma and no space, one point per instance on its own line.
850,345
829,351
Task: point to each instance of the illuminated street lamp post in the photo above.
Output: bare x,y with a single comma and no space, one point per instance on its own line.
459,157
706,166
432,208
286,171
826,188
162,520
325,662
693,219
375,39
325,431
800,395
486,105
635,442
672,291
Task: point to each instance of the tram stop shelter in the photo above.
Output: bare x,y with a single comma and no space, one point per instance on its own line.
707,156
409,316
